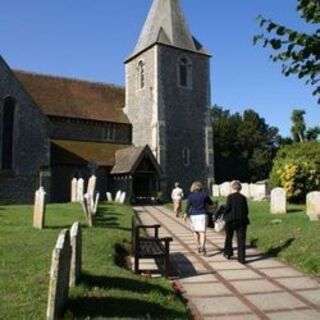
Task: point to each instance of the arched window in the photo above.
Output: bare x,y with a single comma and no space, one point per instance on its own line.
184,70
186,157
141,75
7,133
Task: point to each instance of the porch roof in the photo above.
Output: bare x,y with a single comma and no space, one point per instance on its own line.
128,159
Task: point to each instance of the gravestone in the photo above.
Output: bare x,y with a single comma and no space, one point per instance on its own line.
76,255
118,195
39,208
95,207
80,190
87,208
215,191
245,190
92,185
278,201
313,205
259,190
122,198
109,196
74,189
225,189
59,277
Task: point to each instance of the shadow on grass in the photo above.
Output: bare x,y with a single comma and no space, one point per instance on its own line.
294,210
106,218
270,253
129,308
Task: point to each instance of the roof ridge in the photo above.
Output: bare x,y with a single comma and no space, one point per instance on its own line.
39,74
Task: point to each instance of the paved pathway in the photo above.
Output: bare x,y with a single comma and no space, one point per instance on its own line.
216,288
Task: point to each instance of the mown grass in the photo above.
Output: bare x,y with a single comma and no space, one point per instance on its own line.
291,237
107,289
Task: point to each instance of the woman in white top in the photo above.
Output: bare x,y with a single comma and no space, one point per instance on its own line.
177,196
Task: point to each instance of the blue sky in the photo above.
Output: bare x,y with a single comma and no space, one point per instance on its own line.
90,40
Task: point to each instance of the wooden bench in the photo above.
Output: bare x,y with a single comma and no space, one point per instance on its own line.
149,247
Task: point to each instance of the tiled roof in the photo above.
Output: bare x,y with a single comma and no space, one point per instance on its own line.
63,97
80,153
127,159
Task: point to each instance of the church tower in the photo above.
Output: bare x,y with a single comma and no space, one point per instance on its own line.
168,96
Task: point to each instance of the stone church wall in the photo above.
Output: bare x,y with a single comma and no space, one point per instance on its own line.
31,146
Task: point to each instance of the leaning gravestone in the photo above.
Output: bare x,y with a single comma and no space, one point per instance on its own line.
76,255
313,205
215,190
118,195
80,190
92,185
122,198
87,209
109,196
39,208
278,201
59,277
96,202
74,189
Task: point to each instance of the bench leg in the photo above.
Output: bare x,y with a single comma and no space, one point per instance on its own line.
136,265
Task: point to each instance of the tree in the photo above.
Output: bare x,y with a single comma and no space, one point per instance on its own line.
299,131
298,125
299,52
244,145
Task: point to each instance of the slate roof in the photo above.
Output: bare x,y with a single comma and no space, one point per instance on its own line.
80,153
64,97
166,24
127,159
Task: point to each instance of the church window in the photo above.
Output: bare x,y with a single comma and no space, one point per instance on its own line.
184,72
7,133
141,75
186,157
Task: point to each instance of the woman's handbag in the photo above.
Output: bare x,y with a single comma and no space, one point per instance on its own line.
219,224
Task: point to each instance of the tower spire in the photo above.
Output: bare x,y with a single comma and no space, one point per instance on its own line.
166,24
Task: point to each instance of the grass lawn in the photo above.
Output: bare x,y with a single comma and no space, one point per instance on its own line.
107,289
290,237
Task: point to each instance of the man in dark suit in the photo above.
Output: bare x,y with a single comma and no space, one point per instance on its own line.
236,218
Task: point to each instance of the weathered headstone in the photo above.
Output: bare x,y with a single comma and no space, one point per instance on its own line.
80,190
118,195
259,191
74,189
245,190
92,185
87,208
122,198
76,256
225,189
215,190
39,208
109,196
313,205
59,277
96,202
278,201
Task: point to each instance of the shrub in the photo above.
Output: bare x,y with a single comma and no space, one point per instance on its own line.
296,168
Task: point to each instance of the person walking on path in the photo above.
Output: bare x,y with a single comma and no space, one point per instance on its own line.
177,196
236,218
197,202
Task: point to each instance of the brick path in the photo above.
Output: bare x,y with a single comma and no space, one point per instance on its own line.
216,288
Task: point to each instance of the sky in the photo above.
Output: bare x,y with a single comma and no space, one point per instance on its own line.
90,40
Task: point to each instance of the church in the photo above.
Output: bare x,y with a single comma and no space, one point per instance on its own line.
140,139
